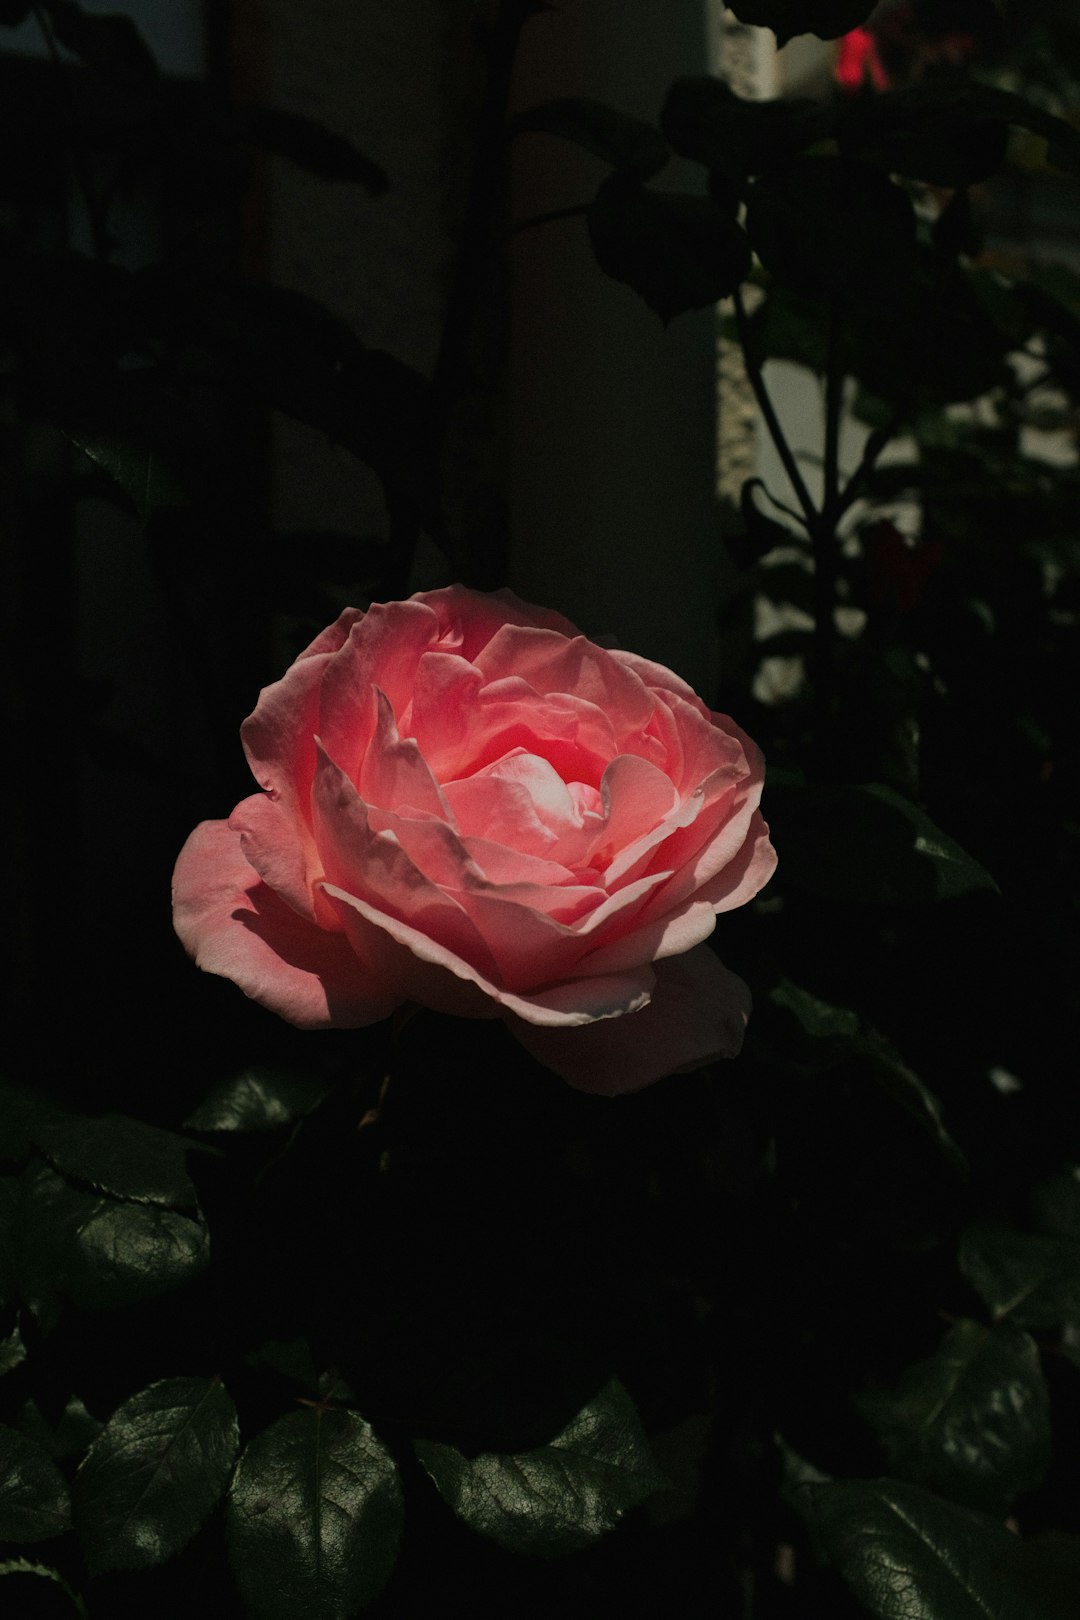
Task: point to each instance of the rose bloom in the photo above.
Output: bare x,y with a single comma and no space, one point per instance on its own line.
468,805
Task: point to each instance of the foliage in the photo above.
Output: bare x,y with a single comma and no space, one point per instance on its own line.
390,1319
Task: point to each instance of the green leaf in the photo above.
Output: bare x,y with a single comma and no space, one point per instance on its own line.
705,120
141,471
68,1437
630,145
314,1516
678,252
291,1358
1031,1278
155,1472
25,1566
843,1033
828,19
305,142
972,1421
119,1156
810,223
907,1555
34,1503
259,1099
562,1496
97,1252
867,845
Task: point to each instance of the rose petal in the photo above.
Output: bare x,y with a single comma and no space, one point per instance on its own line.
697,1013
471,618
551,663
234,926
393,773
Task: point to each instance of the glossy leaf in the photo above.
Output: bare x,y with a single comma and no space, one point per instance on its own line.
628,144
119,1156
34,1503
1030,1278
258,1099
96,1251
908,1555
12,1350
868,845
560,1497
155,1472
314,1516
971,1421
678,252
828,19
69,1436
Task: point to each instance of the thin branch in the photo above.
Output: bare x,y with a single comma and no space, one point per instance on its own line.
834,400
765,405
875,444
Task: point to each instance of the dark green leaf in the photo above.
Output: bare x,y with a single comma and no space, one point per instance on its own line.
972,1421
119,1156
16,1110
34,1501
155,1472
632,147
314,1516
705,120
307,143
96,1251
142,472
965,101
258,1100
828,19
678,252
844,1037
291,1358
907,1555
867,845
1032,1279
9,1207
68,1437
832,228
26,1566
562,1496
110,44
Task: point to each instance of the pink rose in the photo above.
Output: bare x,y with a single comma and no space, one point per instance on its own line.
468,805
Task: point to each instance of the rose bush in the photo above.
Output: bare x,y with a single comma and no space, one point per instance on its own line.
466,804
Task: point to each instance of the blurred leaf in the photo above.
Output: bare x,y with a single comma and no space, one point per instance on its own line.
155,1472
26,1566
34,1502
828,19
314,1516
291,1358
110,44
950,141
809,223
562,1496
16,1110
631,146
309,144
119,1156
676,251
867,845
955,101
97,1252
705,120
14,12
972,1421
1031,1278
907,1555
817,1018
258,1100
9,1209
12,1351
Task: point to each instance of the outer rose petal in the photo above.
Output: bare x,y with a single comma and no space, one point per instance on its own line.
233,925
697,1013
